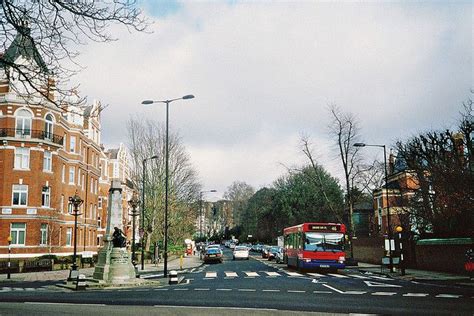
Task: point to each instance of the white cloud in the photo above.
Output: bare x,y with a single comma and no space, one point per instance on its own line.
264,72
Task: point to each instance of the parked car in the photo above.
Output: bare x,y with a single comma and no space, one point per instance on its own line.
232,246
279,258
241,252
272,252
213,254
213,246
265,251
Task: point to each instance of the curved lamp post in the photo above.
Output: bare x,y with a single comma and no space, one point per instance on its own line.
167,102
142,229
76,202
134,202
389,229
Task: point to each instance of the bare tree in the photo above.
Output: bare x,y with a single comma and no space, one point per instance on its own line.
47,34
147,139
238,194
344,130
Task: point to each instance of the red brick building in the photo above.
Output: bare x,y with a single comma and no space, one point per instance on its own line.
47,153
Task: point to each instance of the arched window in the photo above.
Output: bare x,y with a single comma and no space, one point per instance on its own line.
23,123
48,126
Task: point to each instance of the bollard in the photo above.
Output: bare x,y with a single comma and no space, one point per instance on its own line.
81,282
173,277
181,263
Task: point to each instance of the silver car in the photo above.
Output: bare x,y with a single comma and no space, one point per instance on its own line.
241,252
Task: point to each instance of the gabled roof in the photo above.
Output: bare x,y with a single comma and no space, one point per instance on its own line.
23,45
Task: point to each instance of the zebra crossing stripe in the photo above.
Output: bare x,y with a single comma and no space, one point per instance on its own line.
380,278
448,296
316,275
231,274
337,275
358,276
252,274
211,274
271,273
416,294
290,273
384,293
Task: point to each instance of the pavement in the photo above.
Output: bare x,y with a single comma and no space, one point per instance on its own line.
187,263
150,271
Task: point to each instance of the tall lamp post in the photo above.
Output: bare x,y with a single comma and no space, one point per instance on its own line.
389,228
200,210
134,202
76,202
167,102
142,232
9,239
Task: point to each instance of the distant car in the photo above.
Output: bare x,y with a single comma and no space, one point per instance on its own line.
213,254
241,252
279,258
265,251
232,246
272,252
214,246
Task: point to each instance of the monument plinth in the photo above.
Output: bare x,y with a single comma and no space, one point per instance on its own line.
114,264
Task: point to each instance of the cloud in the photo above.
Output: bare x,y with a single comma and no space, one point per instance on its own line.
264,72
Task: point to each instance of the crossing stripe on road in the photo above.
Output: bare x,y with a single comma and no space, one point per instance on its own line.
337,275
448,296
291,273
271,273
231,274
316,275
211,274
384,293
251,274
416,294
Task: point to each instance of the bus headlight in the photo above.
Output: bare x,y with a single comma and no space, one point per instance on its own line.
307,260
341,259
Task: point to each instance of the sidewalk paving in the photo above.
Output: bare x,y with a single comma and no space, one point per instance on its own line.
189,262
417,275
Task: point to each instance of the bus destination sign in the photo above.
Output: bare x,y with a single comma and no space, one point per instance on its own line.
334,228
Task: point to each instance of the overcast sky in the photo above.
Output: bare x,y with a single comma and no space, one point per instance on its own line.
264,72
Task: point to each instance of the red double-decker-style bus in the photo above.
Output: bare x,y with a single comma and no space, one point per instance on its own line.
315,245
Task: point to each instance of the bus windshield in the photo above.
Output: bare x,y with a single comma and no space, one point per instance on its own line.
324,242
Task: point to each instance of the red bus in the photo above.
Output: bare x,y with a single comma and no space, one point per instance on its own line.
315,245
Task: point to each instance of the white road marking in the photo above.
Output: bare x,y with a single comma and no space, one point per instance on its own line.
355,292
296,274
384,293
358,276
223,289
270,290
448,295
211,275
381,278
272,274
378,284
337,275
246,290
316,275
160,289
231,274
295,291
334,289
325,292
416,294
251,274
201,289
73,304
181,289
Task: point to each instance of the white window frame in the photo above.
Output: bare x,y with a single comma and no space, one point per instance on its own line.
72,174
61,206
22,158
23,123
69,237
21,190
16,232
43,234
48,126
46,196
47,161
72,144
63,174
79,176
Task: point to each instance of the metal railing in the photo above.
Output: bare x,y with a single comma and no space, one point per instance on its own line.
31,134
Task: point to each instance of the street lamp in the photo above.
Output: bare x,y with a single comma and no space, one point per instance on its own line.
75,201
9,239
142,232
389,229
167,102
134,202
200,210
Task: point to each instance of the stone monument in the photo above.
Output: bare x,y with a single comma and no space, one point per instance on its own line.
114,264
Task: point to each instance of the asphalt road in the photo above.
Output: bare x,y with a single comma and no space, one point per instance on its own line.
257,284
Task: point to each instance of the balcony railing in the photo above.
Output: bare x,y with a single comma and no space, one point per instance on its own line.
31,134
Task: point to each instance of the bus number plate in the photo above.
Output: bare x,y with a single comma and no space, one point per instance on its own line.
324,265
